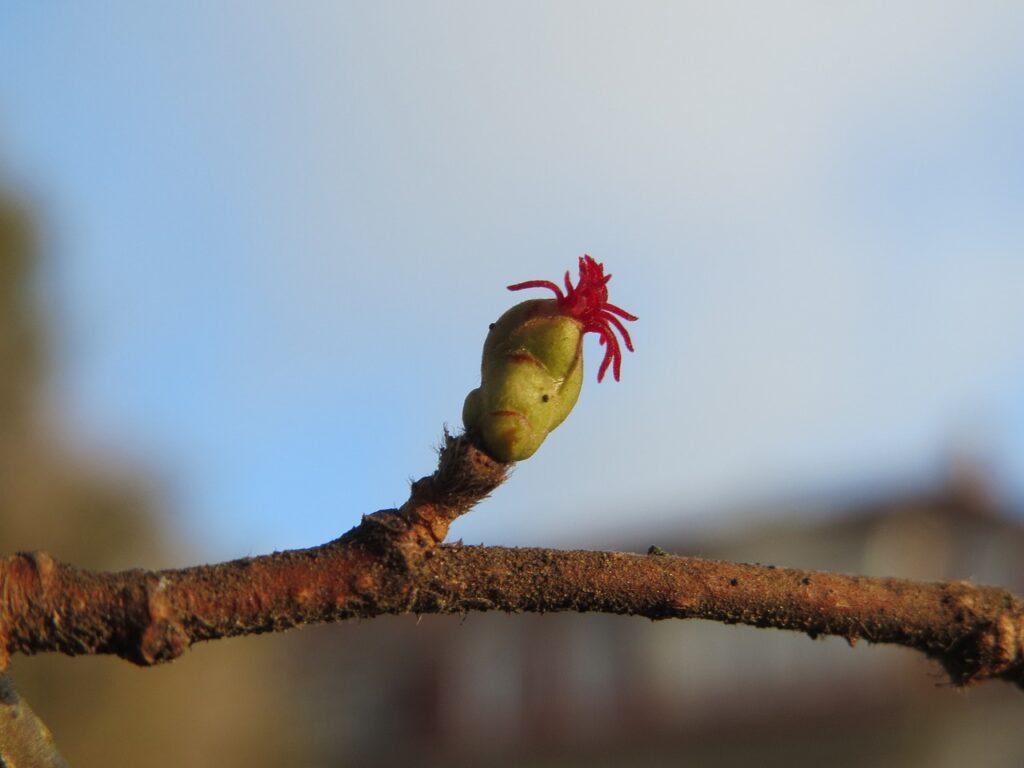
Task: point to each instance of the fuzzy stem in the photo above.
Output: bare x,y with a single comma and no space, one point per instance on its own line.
393,563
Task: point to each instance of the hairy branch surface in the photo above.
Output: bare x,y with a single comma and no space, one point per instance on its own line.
394,562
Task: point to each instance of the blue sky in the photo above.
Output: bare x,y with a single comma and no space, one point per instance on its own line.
277,236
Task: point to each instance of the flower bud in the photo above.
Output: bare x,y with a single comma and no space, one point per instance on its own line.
532,367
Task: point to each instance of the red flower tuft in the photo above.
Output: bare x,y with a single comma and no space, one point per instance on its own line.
587,301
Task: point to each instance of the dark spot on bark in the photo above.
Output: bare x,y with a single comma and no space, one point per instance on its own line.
734,582
805,580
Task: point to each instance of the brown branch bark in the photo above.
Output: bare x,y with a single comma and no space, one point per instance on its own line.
394,562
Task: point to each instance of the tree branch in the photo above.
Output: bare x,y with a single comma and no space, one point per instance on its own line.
394,562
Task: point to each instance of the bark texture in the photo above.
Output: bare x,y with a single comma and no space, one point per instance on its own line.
394,562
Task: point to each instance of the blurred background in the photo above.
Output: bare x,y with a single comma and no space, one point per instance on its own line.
248,255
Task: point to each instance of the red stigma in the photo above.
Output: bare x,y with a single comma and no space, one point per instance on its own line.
587,301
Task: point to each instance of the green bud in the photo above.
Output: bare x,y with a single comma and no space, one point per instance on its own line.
531,375
532,367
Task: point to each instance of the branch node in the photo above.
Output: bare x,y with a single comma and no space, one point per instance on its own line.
44,565
465,476
163,638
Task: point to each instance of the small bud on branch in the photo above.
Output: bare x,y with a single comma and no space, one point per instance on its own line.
532,367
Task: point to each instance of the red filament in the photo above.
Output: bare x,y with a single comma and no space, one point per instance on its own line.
587,301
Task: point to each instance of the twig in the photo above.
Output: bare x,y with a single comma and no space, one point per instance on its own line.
393,562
